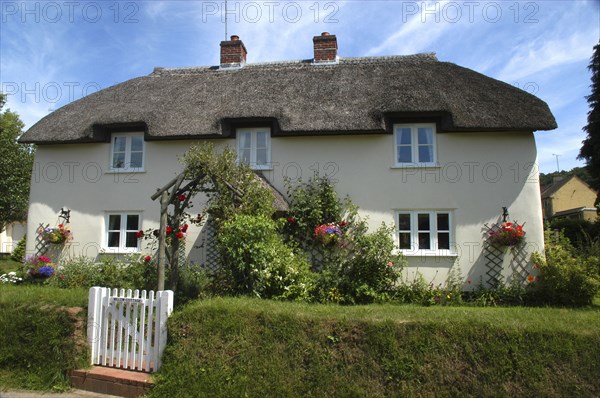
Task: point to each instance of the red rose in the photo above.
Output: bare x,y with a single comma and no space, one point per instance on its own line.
139,234
343,224
60,225
181,198
168,229
147,259
179,235
291,220
183,228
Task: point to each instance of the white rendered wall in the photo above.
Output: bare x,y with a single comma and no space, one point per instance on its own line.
479,173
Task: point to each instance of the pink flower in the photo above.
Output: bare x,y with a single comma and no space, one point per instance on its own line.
390,264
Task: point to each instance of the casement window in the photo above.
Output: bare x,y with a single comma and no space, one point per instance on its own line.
425,231
254,147
415,145
121,229
127,152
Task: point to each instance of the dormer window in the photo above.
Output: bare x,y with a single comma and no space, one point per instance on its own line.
254,147
127,152
415,145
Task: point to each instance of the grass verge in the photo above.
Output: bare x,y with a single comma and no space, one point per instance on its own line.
254,348
8,265
41,336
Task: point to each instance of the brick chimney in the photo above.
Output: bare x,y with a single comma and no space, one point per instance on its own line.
325,48
233,53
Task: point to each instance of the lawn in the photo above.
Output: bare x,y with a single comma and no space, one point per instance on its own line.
7,265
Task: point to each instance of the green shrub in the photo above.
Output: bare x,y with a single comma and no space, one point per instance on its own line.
193,283
581,233
260,262
18,253
564,278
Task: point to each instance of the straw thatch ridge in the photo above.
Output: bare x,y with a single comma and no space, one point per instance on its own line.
355,96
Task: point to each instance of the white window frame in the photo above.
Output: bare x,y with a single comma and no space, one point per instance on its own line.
127,168
415,145
433,231
122,231
253,132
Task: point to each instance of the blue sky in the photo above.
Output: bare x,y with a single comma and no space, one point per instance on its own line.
53,52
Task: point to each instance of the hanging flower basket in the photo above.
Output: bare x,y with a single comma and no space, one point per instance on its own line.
56,235
506,234
328,233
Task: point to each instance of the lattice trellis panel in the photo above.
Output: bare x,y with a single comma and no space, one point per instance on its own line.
495,259
519,262
211,258
41,246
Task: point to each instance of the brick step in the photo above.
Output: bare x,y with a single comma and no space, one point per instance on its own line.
113,381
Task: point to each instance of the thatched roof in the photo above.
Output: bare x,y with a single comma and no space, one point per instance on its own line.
355,96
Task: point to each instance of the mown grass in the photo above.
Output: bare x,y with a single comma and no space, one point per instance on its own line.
254,348
41,336
8,265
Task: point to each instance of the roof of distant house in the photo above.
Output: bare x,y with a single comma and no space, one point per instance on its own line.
551,189
351,96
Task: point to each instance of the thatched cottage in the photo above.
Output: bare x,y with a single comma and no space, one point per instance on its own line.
431,147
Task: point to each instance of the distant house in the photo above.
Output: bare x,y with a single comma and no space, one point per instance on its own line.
432,148
10,237
569,197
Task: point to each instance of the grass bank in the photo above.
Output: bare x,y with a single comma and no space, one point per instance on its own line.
41,336
243,347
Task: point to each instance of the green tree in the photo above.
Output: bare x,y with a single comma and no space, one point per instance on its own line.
16,163
590,151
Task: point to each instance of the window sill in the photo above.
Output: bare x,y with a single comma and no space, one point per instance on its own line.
118,250
124,171
420,253
416,166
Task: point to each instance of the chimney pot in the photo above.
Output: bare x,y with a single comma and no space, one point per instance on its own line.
235,37
325,34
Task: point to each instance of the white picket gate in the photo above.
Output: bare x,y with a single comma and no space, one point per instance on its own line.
128,330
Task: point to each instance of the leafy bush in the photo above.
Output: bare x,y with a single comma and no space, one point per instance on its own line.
18,253
260,262
352,265
581,233
564,278
193,283
83,272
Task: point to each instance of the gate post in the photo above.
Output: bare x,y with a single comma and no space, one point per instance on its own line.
96,295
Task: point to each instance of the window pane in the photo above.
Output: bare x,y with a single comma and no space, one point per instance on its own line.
113,239
424,241
118,160
245,140
245,155
404,222
423,222
119,144
443,222
136,159
137,143
131,240
443,241
403,136
425,136
133,222
114,222
261,156
404,154
405,240
261,139
425,154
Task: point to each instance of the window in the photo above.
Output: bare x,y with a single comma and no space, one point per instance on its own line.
424,232
127,152
415,145
120,231
254,147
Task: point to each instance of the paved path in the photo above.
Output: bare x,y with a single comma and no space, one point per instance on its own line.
70,394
